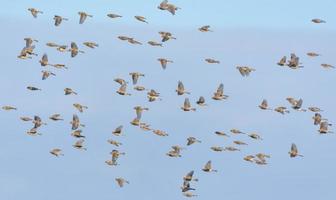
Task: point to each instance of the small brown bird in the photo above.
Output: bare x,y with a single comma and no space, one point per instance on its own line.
83,16
52,44
249,158
189,194
75,123
114,142
189,177
74,49
122,37
164,62
315,109
192,140
239,142
77,134
186,106
294,62
264,105
208,167
255,136
58,20
91,45
160,133
317,118
79,144
8,108
62,48
46,74
38,122
201,101
313,54
139,110
221,133
294,151
153,43
118,130
180,89
282,61
80,107
231,149
122,90
33,132
281,109
327,66
121,182
29,41
68,91
34,12
133,41
217,148
56,117
205,28
26,119
152,95
59,66
318,21
57,152
32,88
166,36
324,127
139,88
44,60
186,186
141,18
135,77
244,70
164,5
296,104
236,131
111,15
219,94
120,81
212,61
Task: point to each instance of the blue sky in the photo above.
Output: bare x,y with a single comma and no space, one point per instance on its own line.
254,33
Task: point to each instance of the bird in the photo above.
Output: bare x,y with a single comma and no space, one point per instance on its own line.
221,133
281,109
166,36
68,91
229,148
189,176
34,12
296,104
313,54
114,142
29,41
121,182
186,186
8,108
212,61
135,77
33,132
217,148
46,74
317,118
133,41
57,152
139,110
118,130
152,95
239,142
315,109
160,133
219,94
153,43
180,89
62,48
77,134
164,62
111,15
139,88
244,70
44,60
32,88
208,167
201,101
164,5
192,140
38,122
122,90
83,16
74,49
294,63
91,45
324,127
56,117
327,66
79,144
318,21
294,151
205,28
75,123
80,107
120,81
141,18
186,106
26,119
189,194
58,20
236,131
264,105
255,136
52,44
282,61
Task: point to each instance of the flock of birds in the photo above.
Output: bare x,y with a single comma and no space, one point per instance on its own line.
218,95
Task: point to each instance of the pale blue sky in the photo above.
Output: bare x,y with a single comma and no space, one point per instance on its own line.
254,33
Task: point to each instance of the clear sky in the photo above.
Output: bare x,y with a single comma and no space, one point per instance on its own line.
254,33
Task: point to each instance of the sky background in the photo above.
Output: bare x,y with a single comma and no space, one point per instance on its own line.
254,33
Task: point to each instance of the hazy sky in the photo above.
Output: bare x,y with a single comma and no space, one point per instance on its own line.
254,33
